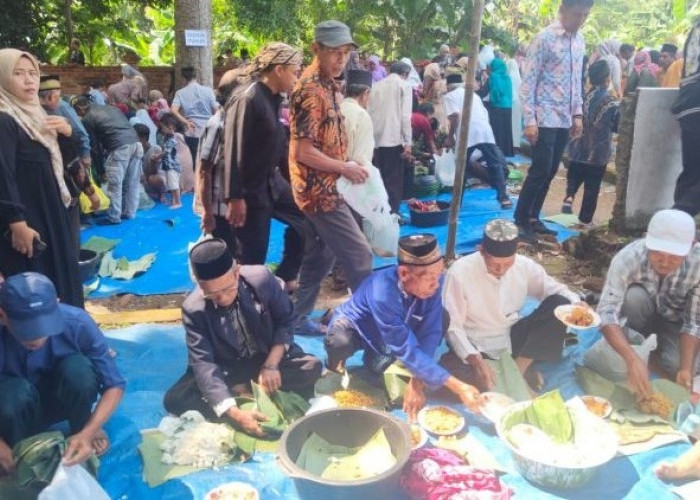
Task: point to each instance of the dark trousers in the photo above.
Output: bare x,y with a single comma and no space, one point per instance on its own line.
546,155
539,336
391,166
687,194
299,372
492,157
343,340
591,176
74,225
66,392
254,236
192,144
225,231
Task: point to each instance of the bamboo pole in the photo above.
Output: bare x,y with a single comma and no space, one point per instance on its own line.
457,189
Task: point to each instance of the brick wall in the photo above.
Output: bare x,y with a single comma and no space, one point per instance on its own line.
76,79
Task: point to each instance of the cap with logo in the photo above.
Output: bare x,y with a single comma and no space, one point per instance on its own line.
31,306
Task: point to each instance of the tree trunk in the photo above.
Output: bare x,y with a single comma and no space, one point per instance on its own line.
69,19
623,156
193,15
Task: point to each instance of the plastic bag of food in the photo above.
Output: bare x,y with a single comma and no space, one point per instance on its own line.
383,239
604,360
445,167
73,482
368,199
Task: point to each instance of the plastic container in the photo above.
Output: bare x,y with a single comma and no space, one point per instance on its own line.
88,264
428,219
346,427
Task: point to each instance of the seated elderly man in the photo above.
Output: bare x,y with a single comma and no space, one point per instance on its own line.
53,363
238,322
396,314
653,286
483,295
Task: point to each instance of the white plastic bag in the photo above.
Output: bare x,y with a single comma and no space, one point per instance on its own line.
383,239
445,167
604,360
368,199
74,483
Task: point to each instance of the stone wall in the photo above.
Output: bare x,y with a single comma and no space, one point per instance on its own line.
76,79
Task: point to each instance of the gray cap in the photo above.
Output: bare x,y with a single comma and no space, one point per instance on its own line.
333,34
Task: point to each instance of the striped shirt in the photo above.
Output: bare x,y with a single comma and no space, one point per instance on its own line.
211,149
676,296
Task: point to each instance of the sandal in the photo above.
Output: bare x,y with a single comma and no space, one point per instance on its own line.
506,203
566,207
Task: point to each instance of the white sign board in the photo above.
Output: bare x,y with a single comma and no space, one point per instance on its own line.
196,38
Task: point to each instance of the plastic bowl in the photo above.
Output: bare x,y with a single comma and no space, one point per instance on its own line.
345,427
88,264
428,219
588,428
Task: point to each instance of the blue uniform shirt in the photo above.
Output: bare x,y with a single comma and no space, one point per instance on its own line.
410,328
80,336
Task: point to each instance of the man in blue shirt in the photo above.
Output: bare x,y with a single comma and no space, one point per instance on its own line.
53,363
396,314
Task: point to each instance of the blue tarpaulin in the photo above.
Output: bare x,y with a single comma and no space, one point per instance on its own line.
168,232
153,357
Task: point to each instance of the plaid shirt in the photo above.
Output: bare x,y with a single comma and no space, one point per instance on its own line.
551,87
677,296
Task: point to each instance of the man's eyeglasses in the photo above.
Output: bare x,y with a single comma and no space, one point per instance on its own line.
226,289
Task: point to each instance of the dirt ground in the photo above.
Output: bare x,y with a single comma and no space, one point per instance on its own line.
558,263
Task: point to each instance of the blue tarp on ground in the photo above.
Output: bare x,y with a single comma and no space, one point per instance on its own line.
153,357
168,232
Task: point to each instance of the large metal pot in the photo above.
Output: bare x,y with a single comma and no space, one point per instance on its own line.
346,427
551,475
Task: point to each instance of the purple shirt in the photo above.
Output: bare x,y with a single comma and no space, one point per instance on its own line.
551,88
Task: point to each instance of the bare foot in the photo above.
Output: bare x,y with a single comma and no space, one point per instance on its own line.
534,379
687,466
163,199
100,443
175,206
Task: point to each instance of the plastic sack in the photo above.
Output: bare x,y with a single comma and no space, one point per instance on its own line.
86,204
445,167
604,360
73,482
368,199
383,239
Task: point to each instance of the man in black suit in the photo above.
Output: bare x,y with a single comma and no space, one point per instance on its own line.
238,322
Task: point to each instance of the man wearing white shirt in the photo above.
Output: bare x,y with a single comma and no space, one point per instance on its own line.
480,138
483,295
390,108
358,123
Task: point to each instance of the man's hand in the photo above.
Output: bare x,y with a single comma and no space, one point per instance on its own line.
638,377
59,124
7,461
531,133
577,128
406,154
483,370
86,161
207,224
449,141
685,378
270,379
248,420
413,399
355,173
470,397
23,238
236,213
94,201
78,450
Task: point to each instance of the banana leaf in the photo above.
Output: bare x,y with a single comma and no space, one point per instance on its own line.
396,378
155,472
548,413
98,244
508,379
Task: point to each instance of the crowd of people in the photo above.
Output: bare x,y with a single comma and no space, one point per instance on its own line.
272,142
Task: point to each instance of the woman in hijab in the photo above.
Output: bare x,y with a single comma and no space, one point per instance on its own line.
376,68
413,77
500,110
609,51
434,90
34,198
643,73
517,112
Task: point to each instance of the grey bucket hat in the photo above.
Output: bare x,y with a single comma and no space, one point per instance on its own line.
333,34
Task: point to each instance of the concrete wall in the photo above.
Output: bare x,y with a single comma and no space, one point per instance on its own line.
656,157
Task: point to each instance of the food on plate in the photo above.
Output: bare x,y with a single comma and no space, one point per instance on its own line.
579,316
424,206
440,420
494,404
233,491
350,398
599,407
416,436
190,440
656,404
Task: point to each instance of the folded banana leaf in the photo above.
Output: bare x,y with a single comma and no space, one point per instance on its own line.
548,413
396,378
509,381
98,244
